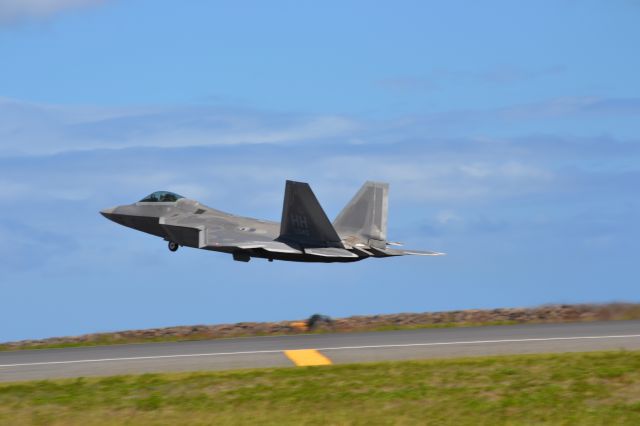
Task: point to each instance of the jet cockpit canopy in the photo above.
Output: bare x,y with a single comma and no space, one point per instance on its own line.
161,197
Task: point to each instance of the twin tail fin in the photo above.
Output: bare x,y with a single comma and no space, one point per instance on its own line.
303,220
365,216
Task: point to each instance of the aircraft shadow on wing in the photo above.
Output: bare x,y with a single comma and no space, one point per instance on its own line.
305,234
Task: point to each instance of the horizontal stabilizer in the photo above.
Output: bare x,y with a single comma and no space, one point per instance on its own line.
395,252
422,252
303,220
329,252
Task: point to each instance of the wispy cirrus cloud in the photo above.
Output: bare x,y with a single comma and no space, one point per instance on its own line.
35,129
561,116
43,129
12,11
179,148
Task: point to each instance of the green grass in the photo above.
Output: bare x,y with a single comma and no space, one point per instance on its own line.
569,389
102,340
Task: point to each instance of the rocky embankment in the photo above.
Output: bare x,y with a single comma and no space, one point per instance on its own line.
320,323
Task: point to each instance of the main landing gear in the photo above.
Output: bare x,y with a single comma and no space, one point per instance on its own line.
173,246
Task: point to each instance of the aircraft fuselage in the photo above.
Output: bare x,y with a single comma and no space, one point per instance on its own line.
304,235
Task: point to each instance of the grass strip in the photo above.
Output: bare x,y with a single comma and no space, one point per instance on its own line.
577,388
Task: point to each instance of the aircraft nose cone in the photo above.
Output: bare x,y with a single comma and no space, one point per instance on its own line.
107,212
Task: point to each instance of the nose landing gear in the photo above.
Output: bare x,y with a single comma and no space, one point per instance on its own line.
173,246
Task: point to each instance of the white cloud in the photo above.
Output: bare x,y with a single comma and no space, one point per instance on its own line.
34,129
434,177
19,10
42,129
235,149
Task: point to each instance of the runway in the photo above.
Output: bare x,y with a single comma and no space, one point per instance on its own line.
318,349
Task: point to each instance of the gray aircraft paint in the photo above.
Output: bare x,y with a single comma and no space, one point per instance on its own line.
365,216
305,233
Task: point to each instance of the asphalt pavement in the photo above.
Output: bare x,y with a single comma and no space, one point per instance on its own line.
318,349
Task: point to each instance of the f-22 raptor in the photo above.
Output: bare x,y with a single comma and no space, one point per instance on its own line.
305,234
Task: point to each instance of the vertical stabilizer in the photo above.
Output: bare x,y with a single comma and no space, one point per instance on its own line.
365,217
303,220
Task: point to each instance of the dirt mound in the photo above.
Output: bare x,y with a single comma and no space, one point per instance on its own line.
322,323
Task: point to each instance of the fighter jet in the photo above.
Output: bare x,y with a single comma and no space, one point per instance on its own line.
305,234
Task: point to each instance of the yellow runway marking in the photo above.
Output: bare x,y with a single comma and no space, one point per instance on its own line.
305,357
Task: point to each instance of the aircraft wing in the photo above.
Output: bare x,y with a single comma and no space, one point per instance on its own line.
215,233
270,246
329,252
216,237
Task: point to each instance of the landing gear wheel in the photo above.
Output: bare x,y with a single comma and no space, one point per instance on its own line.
173,246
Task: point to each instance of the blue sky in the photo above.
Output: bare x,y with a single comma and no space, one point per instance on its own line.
509,133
